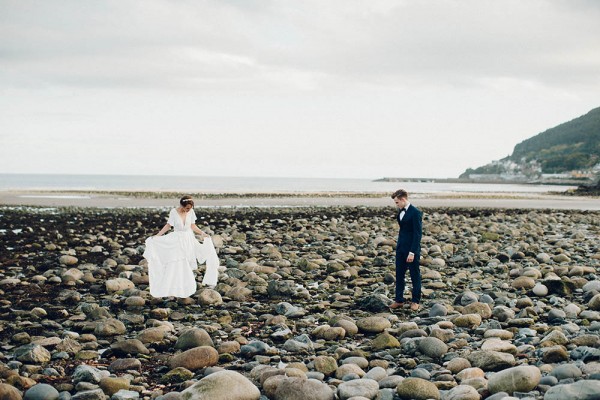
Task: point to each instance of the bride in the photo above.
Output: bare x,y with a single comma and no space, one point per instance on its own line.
172,258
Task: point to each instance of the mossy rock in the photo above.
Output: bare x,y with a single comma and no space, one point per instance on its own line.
177,375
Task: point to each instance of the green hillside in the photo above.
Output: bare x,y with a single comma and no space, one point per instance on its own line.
573,145
566,147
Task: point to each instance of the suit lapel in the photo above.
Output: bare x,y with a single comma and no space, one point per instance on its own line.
407,212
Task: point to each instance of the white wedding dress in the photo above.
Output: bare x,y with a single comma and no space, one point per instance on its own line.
173,258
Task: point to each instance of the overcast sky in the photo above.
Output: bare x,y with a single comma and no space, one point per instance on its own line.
304,88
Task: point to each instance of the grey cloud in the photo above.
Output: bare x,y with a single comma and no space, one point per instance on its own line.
207,44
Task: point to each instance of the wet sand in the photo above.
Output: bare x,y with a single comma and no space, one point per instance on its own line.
161,200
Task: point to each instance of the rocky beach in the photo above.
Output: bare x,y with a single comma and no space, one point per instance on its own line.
511,306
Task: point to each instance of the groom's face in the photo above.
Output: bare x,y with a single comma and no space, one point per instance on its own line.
400,202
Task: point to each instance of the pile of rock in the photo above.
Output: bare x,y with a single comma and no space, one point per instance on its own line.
511,308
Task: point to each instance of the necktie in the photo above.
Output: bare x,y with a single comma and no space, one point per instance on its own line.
402,212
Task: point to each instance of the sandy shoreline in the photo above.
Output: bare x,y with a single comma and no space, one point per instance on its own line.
99,199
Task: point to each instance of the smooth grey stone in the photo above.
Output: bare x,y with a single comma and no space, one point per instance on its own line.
428,321
315,375
51,372
468,298
253,348
85,386
377,374
586,354
125,395
555,314
96,394
580,390
170,396
386,394
358,388
350,377
594,326
498,396
85,373
299,344
526,396
429,367
390,382
503,313
41,391
438,310
432,347
566,371
549,380
420,373
375,303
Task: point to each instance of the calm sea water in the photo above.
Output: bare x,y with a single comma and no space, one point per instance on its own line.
204,184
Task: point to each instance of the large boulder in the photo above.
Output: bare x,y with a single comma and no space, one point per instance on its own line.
39,391
580,390
523,378
489,360
110,327
32,354
194,337
373,324
9,392
196,358
118,285
358,388
222,385
302,389
417,389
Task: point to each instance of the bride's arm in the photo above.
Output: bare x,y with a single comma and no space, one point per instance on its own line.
198,230
164,229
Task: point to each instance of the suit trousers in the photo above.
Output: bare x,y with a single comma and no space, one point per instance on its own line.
415,276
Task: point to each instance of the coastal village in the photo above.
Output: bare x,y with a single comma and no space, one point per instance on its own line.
531,172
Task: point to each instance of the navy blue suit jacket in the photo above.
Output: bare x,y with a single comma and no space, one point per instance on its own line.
411,230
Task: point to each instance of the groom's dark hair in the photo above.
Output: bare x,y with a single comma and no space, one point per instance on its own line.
400,193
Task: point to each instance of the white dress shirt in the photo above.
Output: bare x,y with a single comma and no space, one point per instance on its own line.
403,211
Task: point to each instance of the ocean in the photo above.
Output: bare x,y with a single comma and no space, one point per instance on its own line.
208,184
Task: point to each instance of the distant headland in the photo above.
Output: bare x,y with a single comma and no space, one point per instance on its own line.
491,179
568,154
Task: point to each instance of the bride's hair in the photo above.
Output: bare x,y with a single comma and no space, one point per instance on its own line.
185,200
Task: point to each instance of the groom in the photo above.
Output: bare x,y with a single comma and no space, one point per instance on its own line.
408,250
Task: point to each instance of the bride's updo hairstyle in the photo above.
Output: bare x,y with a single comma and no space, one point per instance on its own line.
185,200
